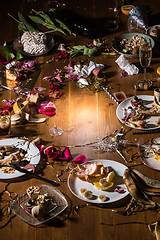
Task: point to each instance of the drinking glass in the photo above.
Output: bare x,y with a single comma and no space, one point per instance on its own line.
145,54
5,123
55,131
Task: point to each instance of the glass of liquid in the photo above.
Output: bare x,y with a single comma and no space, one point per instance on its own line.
145,55
55,131
5,123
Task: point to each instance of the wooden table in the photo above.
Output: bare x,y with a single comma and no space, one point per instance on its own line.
85,117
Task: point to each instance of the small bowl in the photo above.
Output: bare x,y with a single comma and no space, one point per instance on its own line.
143,84
119,96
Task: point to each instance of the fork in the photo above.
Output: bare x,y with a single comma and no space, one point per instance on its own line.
120,133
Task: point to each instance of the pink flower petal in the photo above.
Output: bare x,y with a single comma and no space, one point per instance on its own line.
10,102
47,108
80,159
50,105
58,77
63,55
66,155
51,153
39,89
41,148
48,77
119,190
54,59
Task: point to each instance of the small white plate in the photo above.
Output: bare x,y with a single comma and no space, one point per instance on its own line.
75,184
147,157
33,155
148,101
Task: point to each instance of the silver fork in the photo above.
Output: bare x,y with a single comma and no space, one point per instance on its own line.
120,133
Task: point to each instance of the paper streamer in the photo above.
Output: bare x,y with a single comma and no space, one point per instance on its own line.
109,94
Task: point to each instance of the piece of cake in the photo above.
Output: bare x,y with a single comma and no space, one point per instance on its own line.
11,74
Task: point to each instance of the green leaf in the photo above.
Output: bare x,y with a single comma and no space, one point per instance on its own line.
53,10
37,19
21,27
18,55
62,25
43,15
79,47
25,23
88,51
8,53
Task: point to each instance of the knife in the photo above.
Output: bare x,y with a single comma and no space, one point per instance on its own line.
52,182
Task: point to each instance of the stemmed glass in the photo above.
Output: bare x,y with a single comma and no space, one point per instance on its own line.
145,55
55,131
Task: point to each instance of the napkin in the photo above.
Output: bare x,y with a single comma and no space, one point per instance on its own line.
125,65
84,71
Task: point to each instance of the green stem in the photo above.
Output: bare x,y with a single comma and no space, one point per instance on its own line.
103,53
14,18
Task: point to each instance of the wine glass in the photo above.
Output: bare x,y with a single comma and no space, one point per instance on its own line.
145,55
55,131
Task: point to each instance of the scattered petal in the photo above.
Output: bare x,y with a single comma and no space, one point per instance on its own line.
51,152
119,190
65,155
124,73
63,55
41,148
48,77
80,159
39,89
10,102
58,77
47,108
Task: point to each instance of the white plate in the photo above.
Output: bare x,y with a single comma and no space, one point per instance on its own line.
33,155
148,101
150,29
116,43
75,184
148,158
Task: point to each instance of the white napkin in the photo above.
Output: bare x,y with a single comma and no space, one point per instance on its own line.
125,65
84,71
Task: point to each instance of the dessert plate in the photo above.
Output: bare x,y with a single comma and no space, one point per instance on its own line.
75,184
33,155
148,101
60,204
146,155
